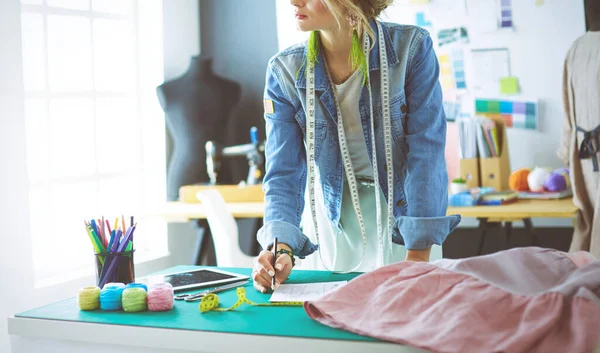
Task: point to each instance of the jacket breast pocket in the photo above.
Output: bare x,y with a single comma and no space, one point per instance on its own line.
398,110
321,127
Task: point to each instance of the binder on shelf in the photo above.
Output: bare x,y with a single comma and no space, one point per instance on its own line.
495,171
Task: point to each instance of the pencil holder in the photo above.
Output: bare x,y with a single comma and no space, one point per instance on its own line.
115,267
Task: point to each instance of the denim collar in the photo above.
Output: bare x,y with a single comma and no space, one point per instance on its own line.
321,82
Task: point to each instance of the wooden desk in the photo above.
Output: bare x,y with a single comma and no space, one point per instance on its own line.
522,210
247,202
183,212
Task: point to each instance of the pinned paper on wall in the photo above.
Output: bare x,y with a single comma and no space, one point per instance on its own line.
509,85
453,35
506,20
421,21
539,2
489,66
446,73
458,63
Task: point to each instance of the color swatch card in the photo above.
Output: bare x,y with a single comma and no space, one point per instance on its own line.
446,72
516,114
452,70
458,63
506,20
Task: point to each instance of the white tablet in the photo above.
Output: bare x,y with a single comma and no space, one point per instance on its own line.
197,278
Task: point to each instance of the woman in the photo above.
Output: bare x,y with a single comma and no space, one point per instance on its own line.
381,82
581,131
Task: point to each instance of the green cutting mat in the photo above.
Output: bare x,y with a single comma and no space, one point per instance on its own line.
277,321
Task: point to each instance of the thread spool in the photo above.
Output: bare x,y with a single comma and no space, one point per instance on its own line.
134,299
111,297
536,179
137,285
88,298
161,297
518,180
556,182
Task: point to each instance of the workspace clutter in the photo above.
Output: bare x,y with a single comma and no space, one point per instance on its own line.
133,297
113,249
115,287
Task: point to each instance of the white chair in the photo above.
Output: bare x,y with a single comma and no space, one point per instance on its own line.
224,230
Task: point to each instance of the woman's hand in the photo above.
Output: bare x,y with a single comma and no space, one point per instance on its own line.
418,255
263,271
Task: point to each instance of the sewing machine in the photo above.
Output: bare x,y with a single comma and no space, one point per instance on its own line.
253,152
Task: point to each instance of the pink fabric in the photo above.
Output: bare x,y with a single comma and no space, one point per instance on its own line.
521,300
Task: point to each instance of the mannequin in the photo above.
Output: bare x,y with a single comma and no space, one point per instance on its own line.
198,106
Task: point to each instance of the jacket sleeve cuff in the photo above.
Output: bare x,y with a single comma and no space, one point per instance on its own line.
288,234
418,233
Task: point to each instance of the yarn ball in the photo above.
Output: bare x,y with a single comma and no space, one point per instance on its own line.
161,297
518,180
88,298
137,285
558,180
110,297
536,179
134,300
114,284
562,171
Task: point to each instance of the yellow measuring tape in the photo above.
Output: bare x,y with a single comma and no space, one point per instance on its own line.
210,302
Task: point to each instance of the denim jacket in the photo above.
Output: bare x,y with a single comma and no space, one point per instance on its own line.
418,134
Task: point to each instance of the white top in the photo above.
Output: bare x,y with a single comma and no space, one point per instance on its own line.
348,95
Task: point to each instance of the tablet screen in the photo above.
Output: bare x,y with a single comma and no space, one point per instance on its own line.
195,278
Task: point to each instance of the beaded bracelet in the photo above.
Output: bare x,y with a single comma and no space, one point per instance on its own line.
289,253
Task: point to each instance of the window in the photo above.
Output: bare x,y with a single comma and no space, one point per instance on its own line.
95,131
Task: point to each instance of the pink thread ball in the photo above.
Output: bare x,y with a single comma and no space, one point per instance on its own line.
161,297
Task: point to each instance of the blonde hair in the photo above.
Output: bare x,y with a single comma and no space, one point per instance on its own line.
364,10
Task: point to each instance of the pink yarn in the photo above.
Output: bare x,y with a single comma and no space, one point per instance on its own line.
161,297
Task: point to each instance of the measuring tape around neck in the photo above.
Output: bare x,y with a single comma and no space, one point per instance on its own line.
350,176
210,302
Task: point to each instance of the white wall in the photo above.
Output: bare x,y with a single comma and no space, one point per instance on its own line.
181,28
17,292
538,47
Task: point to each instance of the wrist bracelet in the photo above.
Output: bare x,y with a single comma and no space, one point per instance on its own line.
289,253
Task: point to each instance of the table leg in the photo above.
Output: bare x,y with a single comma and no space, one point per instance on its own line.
507,233
483,223
205,249
529,227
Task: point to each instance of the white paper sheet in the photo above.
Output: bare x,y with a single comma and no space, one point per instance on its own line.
303,292
489,66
